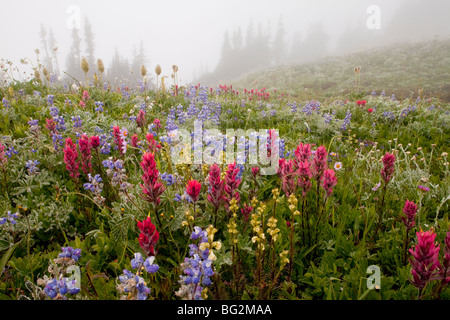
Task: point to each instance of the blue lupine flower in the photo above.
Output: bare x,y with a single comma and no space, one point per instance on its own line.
10,218
50,99
197,233
31,166
11,151
138,261
168,178
77,123
5,103
150,266
69,252
99,106
54,111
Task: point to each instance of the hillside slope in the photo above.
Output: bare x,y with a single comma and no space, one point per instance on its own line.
400,70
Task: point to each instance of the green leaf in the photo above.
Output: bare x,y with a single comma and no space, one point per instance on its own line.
7,255
4,245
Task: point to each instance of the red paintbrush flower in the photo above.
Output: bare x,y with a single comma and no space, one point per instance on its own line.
424,262
85,149
95,142
410,210
388,170
193,189
152,188
246,210
289,177
319,163
216,187
231,184
149,236
329,181
70,158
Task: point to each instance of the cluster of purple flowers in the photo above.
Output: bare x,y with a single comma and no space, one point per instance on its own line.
95,185
105,145
346,121
99,106
77,123
31,166
59,288
69,252
133,283
56,288
170,179
117,173
197,268
5,103
34,126
10,218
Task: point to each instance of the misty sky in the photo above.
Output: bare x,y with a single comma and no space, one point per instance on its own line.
186,33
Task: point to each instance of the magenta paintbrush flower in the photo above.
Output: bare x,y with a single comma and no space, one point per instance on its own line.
289,177
71,158
193,189
119,139
304,176
85,149
95,142
149,236
255,171
388,169
329,181
152,188
303,152
445,271
3,159
246,210
319,163
231,184
425,263
216,187
410,210
140,120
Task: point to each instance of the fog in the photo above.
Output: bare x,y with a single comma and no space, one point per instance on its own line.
191,34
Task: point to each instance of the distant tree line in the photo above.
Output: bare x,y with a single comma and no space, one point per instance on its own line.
119,68
414,20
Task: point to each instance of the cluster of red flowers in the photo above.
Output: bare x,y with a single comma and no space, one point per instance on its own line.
361,103
148,237
425,260
85,144
298,172
152,187
388,169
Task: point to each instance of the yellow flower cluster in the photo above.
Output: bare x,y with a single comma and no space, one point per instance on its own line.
256,224
284,259
276,194
292,201
205,170
234,207
232,230
189,218
272,228
211,244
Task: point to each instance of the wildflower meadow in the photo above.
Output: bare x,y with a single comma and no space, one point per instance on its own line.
173,191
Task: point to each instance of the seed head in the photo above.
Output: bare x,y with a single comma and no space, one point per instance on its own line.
143,70
100,66
158,69
84,65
